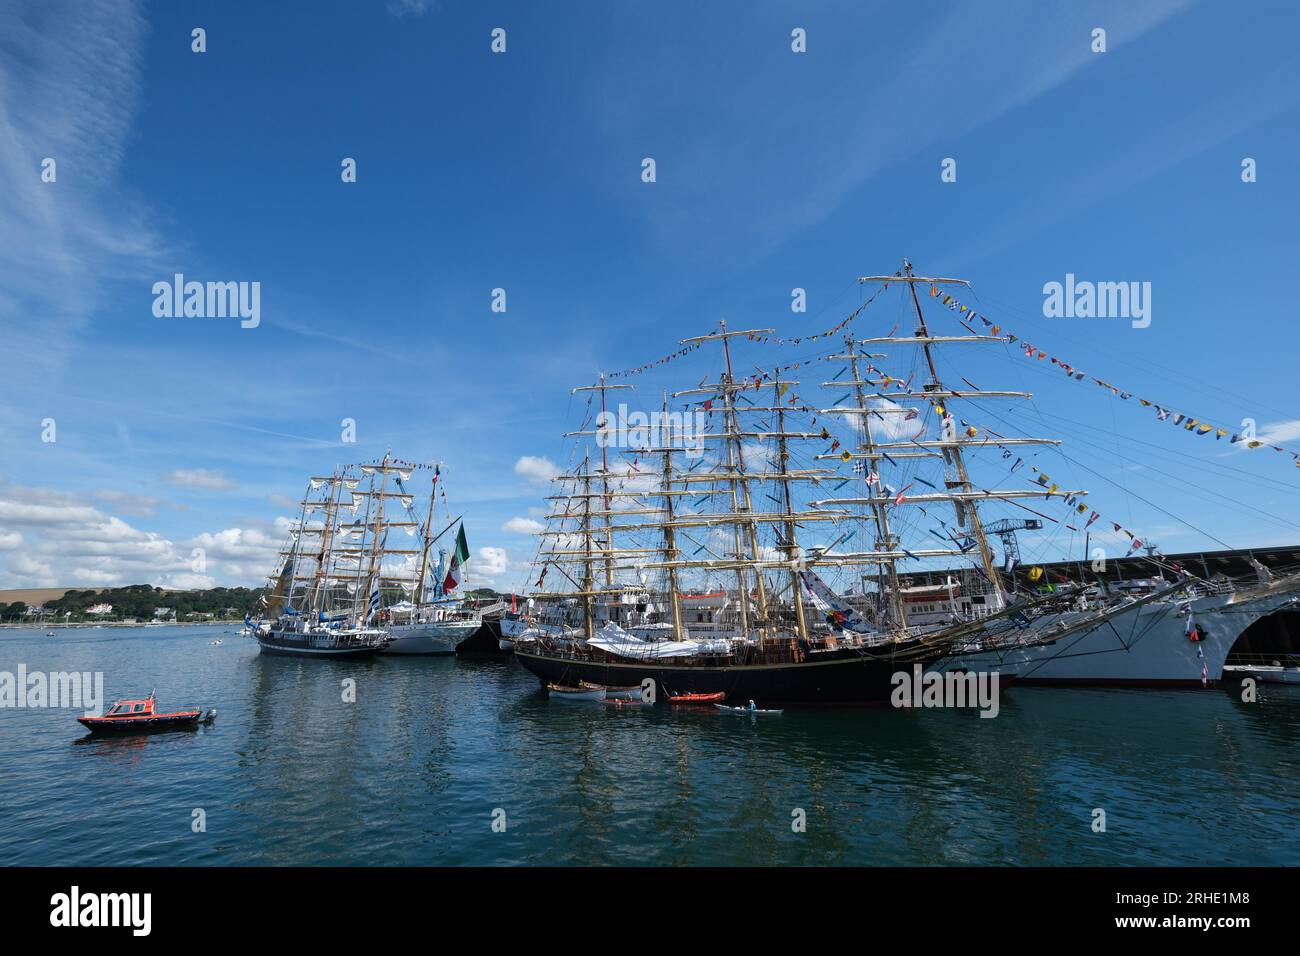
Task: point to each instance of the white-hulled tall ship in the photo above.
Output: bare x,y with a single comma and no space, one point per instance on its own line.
737,497
435,619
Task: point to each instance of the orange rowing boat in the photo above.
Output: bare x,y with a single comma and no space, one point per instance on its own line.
696,698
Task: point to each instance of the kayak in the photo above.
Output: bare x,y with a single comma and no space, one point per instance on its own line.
697,698
746,710
619,702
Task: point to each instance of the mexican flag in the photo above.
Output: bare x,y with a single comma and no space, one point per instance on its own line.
456,570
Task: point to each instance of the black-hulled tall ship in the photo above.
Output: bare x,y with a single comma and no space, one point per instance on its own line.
732,495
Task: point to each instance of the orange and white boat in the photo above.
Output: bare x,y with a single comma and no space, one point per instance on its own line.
141,715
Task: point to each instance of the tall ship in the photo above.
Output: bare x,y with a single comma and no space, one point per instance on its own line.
747,539
355,575
436,618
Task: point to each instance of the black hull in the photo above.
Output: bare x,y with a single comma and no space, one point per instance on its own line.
280,650
842,677
147,725
272,645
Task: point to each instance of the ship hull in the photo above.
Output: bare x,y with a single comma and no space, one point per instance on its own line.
1147,647
437,637
297,647
188,720
843,677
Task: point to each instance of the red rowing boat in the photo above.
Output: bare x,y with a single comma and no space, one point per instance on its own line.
697,698
139,716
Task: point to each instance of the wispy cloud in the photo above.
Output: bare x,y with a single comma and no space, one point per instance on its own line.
1281,433
412,8
804,154
69,85
200,478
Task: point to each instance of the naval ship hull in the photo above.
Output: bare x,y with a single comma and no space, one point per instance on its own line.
1147,647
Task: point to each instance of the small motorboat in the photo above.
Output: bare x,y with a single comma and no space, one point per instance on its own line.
140,716
216,643
748,710
561,692
49,633
632,693
697,698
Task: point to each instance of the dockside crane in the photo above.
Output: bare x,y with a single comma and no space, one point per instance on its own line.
1006,528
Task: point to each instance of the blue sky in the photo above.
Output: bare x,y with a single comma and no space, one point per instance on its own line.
521,171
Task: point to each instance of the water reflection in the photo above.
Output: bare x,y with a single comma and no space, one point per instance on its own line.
411,772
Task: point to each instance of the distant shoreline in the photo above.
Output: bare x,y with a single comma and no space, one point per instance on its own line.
49,625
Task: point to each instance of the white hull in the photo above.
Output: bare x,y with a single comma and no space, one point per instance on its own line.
1265,674
1146,646
434,637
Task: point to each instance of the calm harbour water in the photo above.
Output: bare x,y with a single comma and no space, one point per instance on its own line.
412,772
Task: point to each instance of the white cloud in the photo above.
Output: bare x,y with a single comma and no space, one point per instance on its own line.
139,506
1279,433
486,567
759,455
67,542
201,478
536,468
522,526
25,571
415,8
191,582
889,423
244,554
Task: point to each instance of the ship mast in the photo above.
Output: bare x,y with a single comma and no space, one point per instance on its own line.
885,540
604,471
588,613
741,504
791,546
424,541
327,543
297,543
967,511
670,533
